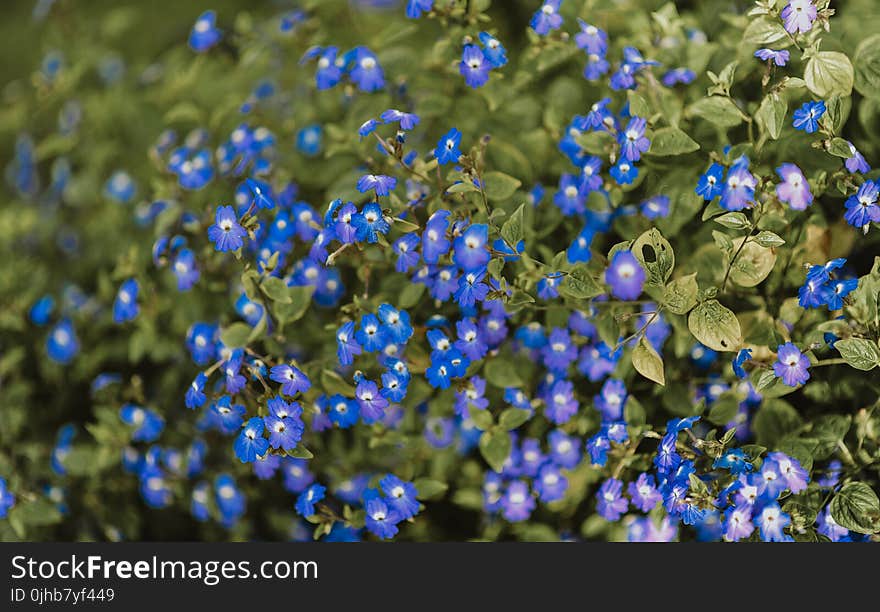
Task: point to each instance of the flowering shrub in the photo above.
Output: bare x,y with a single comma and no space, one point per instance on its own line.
445,270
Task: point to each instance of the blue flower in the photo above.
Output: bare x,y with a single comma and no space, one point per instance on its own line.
734,460
371,403
791,365
292,379
381,184
250,311
343,412
407,121
807,117
856,161
367,74
550,483
571,197
329,71
405,248
308,139
656,207
685,76
474,66
368,127
396,323
250,443
439,373
435,244
471,288
125,307
305,503
644,493
493,50
346,344
625,276
370,222
862,208
226,233
62,344
185,269
610,501
739,188
547,17
710,184
742,356
204,34
771,522
400,496
195,394
149,424
120,187
561,404
380,521
415,8
633,141
231,502
591,39
41,310
780,58
624,172
839,289
798,16
794,190
447,150
517,503
470,248
371,335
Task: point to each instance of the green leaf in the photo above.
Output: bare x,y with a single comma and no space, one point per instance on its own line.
680,296
724,409
580,284
236,335
495,446
276,290
860,353
867,67
733,220
840,148
829,73
647,362
501,374
333,383
672,141
771,115
300,299
856,508
513,418
482,419
463,187
36,513
638,106
499,186
765,31
774,420
656,256
595,143
753,264
300,452
427,488
768,239
410,295
719,110
715,326
513,230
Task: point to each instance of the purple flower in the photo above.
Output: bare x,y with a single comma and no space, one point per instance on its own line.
862,208
561,403
570,198
591,39
474,66
685,76
856,162
795,190
789,468
226,233
791,365
371,403
780,58
738,523
407,121
644,493
547,17
379,182
625,276
610,502
550,483
798,16
367,73
291,378
807,117
517,502
739,188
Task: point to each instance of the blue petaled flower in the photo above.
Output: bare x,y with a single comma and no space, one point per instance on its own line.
226,233
342,411
862,208
734,460
550,483
471,288
591,39
807,117
370,222
380,520
7,498
547,17
185,269
685,76
195,394
633,141
368,127
771,521
305,503
447,150
738,191
738,523
371,403
148,423
643,493
41,310
284,432
780,58
381,184
791,365
711,183
366,73
561,404
400,496
474,66
742,356
493,50
415,8
120,187
292,379
856,161
125,307
434,241
610,501
624,172
250,443
517,503
839,289
346,344
407,255
625,276
204,34
798,16
235,382
308,139
470,248
371,335
571,197
795,190
407,121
